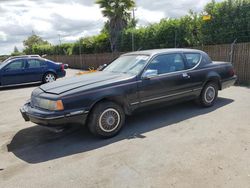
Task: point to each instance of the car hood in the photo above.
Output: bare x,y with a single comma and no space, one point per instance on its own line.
85,82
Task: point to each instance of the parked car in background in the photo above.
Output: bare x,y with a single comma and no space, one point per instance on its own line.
133,81
20,70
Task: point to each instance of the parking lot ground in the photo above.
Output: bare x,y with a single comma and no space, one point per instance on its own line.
178,146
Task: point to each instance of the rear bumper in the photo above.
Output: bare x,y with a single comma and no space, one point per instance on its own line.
61,74
228,82
52,119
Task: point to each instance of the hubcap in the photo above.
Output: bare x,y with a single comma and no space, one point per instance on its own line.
50,78
109,120
209,94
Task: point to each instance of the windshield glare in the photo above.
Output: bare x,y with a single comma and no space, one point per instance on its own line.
2,64
129,64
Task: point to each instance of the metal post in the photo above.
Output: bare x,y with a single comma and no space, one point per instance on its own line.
232,51
59,36
133,36
80,53
175,38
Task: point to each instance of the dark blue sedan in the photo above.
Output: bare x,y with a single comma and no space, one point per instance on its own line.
29,69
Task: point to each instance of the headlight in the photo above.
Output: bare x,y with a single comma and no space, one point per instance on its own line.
49,104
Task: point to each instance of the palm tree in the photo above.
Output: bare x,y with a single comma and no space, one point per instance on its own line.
117,12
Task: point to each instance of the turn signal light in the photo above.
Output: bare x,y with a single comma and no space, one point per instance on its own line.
59,105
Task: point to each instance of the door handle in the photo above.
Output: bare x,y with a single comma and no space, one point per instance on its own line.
185,75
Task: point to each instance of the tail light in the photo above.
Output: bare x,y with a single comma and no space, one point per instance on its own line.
231,72
62,67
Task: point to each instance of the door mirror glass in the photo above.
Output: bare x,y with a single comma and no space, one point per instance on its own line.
149,73
101,67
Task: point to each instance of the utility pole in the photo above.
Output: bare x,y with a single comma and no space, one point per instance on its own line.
59,36
133,36
80,53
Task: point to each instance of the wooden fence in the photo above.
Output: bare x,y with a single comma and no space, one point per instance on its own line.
240,58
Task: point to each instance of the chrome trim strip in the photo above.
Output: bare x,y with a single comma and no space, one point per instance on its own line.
52,118
134,103
197,89
165,96
75,113
58,117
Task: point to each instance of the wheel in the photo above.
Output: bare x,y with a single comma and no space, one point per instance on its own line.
106,119
49,77
209,94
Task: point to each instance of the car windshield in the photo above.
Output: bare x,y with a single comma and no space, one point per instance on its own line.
128,64
2,64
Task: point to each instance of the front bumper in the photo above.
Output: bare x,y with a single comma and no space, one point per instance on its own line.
53,119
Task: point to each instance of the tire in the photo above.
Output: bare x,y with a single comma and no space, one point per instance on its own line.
106,119
49,77
209,94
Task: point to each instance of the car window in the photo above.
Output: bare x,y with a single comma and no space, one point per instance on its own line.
33,63
16,65
192,59
167,63
128,64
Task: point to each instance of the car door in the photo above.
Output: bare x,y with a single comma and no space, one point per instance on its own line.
197,77
14,73
35,70
171,81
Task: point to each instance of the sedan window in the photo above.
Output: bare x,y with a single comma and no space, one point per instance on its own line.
34,63
16,65
167,63
192,59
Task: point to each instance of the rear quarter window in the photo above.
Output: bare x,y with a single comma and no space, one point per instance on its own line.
192,59
34,63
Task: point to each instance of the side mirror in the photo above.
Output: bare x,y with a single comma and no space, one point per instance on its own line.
150,73
100,68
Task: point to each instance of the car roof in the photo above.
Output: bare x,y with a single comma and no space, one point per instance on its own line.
28,58
161,51
23,57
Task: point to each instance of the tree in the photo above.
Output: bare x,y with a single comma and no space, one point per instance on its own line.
16,52
31,41
117,12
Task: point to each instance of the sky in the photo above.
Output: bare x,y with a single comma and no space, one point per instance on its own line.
72,19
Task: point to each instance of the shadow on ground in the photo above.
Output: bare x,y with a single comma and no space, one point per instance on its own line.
36,144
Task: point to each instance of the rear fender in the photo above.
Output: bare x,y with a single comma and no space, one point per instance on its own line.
213,77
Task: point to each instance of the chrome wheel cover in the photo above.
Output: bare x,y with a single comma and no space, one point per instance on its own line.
209,94
109,120
50,78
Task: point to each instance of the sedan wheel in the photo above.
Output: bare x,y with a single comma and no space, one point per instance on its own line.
109,120
106,119
209,94
49,77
